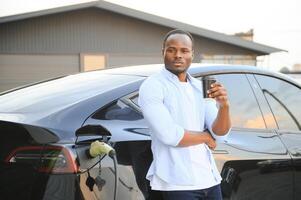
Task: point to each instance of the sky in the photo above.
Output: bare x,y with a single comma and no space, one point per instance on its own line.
275,22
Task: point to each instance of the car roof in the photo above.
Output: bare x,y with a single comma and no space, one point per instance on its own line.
59,93
194,69
197,69
44,103
148,70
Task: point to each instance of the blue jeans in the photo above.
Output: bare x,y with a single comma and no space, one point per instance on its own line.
213,193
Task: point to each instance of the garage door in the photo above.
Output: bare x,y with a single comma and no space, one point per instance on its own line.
17,70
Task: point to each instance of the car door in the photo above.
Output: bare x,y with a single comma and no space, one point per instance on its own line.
253,161
284,100
131,141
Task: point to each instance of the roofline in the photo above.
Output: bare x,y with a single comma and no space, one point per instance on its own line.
190,28
17,17
234,40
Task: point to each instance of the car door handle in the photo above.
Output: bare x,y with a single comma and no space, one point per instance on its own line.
295,152
220,151
274,163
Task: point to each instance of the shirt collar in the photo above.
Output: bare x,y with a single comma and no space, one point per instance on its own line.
174,77
175,80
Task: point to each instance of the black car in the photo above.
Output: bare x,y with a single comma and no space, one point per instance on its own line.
47,128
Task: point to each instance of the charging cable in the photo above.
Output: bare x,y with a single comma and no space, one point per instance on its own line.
98,148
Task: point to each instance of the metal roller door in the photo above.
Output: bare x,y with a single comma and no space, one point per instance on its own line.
17,70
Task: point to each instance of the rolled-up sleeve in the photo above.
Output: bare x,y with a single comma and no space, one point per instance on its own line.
151,96
211,111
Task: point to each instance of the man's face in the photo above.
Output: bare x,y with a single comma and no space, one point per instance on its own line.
178,53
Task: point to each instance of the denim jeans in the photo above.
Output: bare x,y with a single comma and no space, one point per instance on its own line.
213,193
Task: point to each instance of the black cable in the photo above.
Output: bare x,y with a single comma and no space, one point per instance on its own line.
93,165
121,181
112,155
116,176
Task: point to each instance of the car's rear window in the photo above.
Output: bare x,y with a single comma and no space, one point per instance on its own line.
55,94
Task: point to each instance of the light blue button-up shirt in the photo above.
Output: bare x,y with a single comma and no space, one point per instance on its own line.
160,101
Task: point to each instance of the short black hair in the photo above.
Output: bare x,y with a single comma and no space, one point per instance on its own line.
177,31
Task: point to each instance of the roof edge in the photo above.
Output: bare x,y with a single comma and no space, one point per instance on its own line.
265,49
221,37
48,11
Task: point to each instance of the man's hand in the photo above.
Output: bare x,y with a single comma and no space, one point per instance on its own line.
210,141
219,93
222,123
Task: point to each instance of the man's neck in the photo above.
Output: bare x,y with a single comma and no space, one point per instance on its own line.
181,76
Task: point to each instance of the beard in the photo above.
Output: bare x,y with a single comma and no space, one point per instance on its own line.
176,70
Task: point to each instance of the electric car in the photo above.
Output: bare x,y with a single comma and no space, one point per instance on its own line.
47,129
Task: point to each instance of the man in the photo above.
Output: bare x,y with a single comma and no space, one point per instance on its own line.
178,116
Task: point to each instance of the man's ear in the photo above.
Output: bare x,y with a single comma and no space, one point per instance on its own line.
162,51
192,54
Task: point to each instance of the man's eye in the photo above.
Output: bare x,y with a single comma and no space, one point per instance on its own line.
170,50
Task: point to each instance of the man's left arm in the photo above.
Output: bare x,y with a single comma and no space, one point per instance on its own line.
222,122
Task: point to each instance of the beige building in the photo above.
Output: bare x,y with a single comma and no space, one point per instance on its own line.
97,35
297,67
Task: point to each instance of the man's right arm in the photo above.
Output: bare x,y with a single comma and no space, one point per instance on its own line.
150,100
191,138
151,96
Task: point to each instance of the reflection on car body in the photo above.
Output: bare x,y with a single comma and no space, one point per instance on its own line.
41,157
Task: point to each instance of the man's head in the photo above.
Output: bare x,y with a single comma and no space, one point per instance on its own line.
177,51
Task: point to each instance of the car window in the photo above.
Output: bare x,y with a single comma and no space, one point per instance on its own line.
117,110
244,109
284,99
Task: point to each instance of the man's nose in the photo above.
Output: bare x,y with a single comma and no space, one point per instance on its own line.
178,54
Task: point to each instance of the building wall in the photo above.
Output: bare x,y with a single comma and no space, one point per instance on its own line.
95,30
88,30
64,43
22,69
